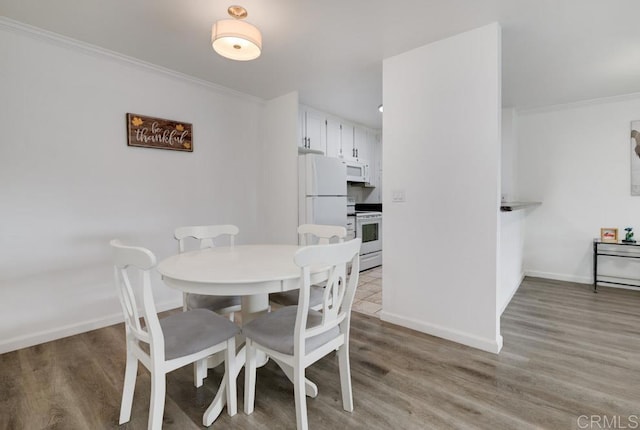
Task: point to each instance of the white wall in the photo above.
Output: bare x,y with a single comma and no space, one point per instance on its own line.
69,183
575,159
441,136
509,156
511,223
278,200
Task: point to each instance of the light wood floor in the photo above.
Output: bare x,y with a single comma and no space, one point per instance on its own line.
567,352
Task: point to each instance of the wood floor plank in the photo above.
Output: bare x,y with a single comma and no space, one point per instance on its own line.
567,352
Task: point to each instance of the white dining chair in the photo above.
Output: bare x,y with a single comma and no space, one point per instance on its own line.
163,345
224,305
205,234
311,234
297,336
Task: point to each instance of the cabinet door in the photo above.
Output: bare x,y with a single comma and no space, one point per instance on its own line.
347,139
302,133
334,149
316,128
375,158
362,144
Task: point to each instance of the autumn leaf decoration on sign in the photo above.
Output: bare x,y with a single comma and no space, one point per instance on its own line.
150,132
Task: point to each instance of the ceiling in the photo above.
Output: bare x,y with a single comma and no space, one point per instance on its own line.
331,51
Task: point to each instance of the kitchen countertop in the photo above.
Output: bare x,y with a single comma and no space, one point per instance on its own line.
514,206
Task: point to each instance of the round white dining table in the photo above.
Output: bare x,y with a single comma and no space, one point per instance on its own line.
249,271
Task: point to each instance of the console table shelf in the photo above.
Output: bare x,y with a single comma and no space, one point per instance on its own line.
617,249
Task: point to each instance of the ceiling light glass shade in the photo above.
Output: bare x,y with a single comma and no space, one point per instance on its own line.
235,39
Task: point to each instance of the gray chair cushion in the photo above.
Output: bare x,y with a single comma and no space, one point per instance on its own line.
290,298
214,303
192,331
275,330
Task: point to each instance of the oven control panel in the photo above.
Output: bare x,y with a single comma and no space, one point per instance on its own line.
368,215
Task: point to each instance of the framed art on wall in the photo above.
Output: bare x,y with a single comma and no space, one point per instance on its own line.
150,132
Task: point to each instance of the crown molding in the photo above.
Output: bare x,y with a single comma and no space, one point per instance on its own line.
87,48
578,104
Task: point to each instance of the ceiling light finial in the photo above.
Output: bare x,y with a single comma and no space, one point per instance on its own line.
237,12
236,39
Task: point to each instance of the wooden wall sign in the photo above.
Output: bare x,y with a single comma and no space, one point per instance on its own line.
160,133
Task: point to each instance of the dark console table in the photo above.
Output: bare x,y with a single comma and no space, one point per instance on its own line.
613,249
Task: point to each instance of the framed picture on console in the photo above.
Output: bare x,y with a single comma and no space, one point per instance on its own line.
609,234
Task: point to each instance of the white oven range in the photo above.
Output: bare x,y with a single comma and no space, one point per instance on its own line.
369,228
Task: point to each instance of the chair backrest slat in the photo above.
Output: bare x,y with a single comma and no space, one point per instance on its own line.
319,234
129,304
205,234
334,292
340,286
142,261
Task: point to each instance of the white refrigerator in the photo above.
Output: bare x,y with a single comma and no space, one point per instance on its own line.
322,189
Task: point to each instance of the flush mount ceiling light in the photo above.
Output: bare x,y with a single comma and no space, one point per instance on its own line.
236,39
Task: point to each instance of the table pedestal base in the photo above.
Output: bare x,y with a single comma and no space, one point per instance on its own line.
252,307
220,400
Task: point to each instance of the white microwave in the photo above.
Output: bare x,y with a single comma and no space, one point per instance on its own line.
357,171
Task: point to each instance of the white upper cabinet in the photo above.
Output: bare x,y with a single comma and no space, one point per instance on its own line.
357,142
374,152
334,135
347,139
343,139
338,138
362,144
312,129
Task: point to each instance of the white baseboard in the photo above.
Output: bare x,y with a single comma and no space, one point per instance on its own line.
577,279
489,345
12,344
559,276
513,293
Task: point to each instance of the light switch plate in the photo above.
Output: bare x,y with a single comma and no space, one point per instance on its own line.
398,196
